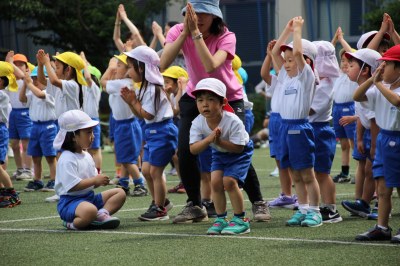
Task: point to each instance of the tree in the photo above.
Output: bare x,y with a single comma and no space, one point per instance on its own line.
79,25
373,19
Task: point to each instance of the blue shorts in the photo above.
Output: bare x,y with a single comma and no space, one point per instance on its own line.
235,165
20,124
161,142
325,147
127,140
97,135
111,127
296,142
275,121
41,140
249,121
367,147
3,142
67,205
340,110
142,124
205,160
387,158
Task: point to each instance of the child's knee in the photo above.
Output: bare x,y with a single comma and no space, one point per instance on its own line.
230,183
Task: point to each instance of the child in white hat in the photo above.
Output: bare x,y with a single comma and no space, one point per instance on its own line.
79,207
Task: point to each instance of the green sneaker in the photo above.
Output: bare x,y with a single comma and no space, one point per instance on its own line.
296,219
313,219
237,226
217,227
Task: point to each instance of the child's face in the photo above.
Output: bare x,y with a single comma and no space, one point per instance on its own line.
344,64
390,73
209,105
21,65
121,71
290,64
85,138
60,71
353,70
136,76
170,85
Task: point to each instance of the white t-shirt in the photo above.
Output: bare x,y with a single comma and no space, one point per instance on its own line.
270,91
14,96
364,114
232,129
72,168
66,98
296,93
4,105
91,99
343,89
387,116
41,109
322,101
164,111
119,107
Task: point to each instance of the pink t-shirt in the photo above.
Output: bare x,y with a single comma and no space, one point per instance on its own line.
196,71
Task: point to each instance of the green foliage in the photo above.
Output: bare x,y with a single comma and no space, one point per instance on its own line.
79,25
258,111
373,19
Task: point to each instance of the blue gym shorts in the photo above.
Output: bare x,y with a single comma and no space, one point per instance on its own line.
235,165
127,140
161,142
340,110
20,124
3,142
325,147
296,142
67,205
273,126
97,135
111,127
249,121
41,140
205,160
367,147
387,157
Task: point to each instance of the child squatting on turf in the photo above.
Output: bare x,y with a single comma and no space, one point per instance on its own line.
219,127
79,207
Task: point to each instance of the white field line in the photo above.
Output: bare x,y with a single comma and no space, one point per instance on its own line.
259,238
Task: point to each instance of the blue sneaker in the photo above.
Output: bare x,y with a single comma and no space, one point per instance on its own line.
312,219
237,226
49,186
34,186
358,207
296,219
374,214
217,227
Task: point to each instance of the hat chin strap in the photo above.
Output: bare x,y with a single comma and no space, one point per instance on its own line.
397,80
359,73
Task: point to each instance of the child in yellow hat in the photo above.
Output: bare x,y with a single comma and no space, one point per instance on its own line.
8,196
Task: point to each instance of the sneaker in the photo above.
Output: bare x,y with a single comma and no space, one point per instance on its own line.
373,215
173,172
21,174
10,152
261,211
353,180
328,216
49,186
68,226
296,219
312,219
180,189
396,239
375,234
123,183
168,205
358,207
217,227
54,198
139,191
10,199
283,201
237,226
155,213
209,205
275,173
104,221
191,214
341,178
34,186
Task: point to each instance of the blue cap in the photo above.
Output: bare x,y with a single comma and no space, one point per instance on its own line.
34,72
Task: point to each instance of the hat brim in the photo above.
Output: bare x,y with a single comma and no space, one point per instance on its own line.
208,90
204,8
388,58
284,47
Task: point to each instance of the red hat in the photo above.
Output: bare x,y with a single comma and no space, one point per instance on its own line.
393,54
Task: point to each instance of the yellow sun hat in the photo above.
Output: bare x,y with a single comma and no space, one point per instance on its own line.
123,58
7,70
75,61
31,66
175,72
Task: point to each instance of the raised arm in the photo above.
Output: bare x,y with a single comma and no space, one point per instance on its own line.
374,43
86,72
35,90
109,73
157,35
393,33
297,44
45,58
171,50
135,32
22,92
266,66
18,73
40,71
340,37
276,51
117,33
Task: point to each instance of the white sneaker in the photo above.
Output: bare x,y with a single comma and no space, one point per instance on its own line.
54,198
275,173
10,152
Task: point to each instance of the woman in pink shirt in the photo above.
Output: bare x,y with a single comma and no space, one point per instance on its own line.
208,47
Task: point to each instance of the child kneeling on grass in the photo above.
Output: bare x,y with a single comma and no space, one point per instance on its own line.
220,128
79,207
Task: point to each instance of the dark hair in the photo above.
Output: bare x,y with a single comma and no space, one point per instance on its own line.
384,42
396,64
217,26
360,63
311,61
172,23
128,36
204,92
137,65
69,143
76,79
6,82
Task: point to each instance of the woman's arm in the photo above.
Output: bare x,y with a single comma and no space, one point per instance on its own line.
171,50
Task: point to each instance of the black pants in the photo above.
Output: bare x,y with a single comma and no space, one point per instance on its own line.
188,165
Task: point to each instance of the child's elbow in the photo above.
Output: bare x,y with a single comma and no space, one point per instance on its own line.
193,150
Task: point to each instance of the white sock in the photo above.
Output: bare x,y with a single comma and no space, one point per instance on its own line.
314,208
382,227
331,207
71,226
102,210
303,208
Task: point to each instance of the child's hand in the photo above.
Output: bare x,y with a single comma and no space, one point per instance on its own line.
182,82
385,23
156,28
346,120
82,55
217,135
9,57
129,96
391,29
298,22
28,80
377,76
270,46
289,25
340,34
360,147
101,180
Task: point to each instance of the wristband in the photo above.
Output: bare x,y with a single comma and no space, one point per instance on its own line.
199,36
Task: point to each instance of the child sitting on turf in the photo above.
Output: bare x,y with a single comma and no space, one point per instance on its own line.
79,207
217,126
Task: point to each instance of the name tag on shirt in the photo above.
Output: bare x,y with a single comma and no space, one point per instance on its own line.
153,131
290,90
294,132
345,109
50,126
